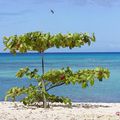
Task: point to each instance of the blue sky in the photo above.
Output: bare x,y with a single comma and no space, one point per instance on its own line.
99,16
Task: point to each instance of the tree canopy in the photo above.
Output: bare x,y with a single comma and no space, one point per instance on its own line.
38,41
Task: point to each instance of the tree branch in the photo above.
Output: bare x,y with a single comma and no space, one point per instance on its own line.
55,85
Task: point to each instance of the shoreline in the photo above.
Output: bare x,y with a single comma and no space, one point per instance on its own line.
58,111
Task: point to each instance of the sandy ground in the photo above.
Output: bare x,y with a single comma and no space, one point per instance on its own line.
79,111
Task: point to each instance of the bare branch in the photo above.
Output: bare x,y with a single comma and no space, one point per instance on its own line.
55,85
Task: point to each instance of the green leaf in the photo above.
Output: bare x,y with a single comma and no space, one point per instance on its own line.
92,82
84,85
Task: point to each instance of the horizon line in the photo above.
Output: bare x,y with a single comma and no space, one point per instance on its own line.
56,52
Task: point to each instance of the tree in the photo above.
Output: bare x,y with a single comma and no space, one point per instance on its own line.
38,41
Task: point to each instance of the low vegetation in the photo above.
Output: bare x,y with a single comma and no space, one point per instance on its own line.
38,41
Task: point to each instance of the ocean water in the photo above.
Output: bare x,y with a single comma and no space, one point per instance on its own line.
105,91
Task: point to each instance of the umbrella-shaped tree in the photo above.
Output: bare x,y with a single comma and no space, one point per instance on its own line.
38,41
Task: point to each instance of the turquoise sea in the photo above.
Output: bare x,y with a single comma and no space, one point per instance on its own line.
105,91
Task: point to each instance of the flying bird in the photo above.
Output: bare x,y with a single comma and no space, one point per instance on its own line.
52,11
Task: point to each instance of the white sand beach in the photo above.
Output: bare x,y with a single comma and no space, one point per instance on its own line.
79,111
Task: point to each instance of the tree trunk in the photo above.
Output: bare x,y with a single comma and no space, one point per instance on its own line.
43,84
